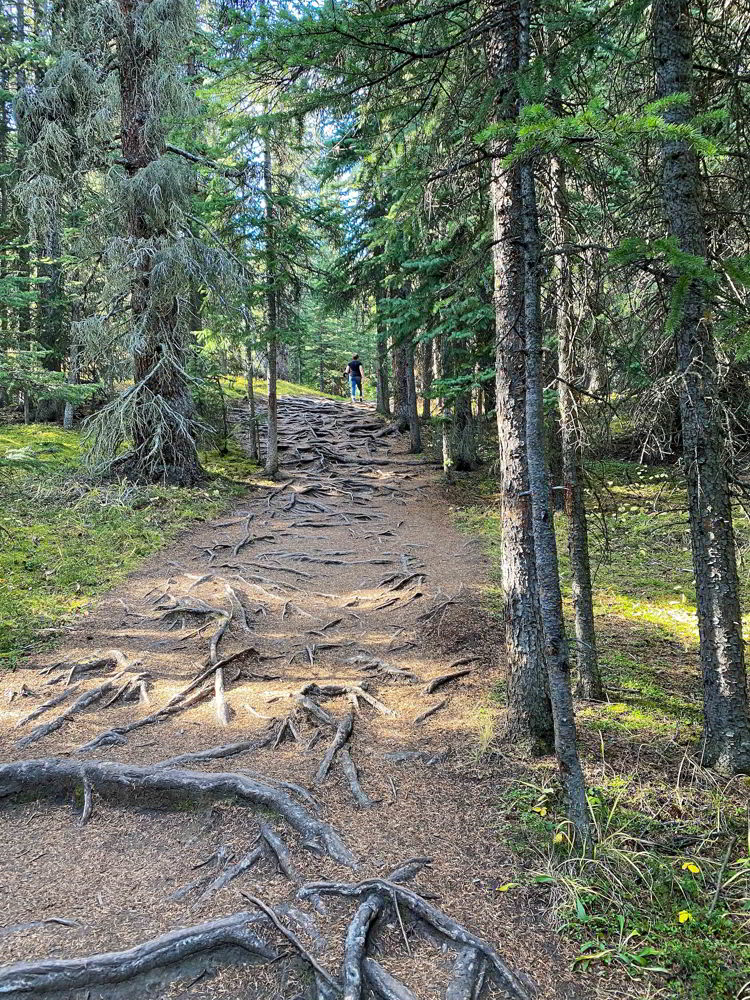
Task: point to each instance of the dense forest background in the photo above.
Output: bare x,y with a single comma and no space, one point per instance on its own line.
529,218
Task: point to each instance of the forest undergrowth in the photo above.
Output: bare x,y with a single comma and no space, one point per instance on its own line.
666,893
65,537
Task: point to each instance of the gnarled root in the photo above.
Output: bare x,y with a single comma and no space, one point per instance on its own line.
437,920
118,779
110,968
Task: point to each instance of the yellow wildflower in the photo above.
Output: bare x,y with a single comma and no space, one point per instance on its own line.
684,915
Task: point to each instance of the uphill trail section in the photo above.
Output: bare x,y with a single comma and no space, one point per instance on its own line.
251,770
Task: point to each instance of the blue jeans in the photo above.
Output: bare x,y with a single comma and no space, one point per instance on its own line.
355,382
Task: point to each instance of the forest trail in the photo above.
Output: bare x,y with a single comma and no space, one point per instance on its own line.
293,656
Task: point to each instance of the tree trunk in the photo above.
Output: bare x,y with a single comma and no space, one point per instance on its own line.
426,378
726,729
163,444
401,385
253,450
529,709
463,434
587,661
550,595
272,437
415,437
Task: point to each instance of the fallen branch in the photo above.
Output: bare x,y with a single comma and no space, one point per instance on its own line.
430,711
293,939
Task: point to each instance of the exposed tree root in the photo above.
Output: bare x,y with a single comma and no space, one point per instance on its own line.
216,753
232,872
383,984
360,795
430,711
83,701
279,849
439,681
355,946
468,976
110,968
434,918
58,699
343,732
124,779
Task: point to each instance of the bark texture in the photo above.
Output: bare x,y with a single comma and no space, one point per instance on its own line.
550,597
529,709
272,436
726,728
587,661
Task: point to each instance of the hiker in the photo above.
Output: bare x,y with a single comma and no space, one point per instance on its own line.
355,373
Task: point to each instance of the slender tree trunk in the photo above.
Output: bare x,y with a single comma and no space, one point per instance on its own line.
426,378
321,367
726,728
272,440
415,438
529,709
24,260
550,595
587,661
464,433
401,385
253,450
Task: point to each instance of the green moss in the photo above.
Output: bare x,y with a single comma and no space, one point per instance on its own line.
65,540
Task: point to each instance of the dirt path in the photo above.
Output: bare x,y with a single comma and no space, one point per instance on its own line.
302,630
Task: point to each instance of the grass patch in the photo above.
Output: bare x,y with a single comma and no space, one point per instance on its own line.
644,903
65,539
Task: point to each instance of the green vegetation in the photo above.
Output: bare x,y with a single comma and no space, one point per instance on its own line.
65,539
668,831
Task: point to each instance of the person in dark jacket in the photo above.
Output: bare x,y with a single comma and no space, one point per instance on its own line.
355,372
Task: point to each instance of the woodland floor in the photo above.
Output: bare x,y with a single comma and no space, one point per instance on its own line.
345,577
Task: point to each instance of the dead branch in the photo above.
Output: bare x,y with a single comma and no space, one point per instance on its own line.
293,939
